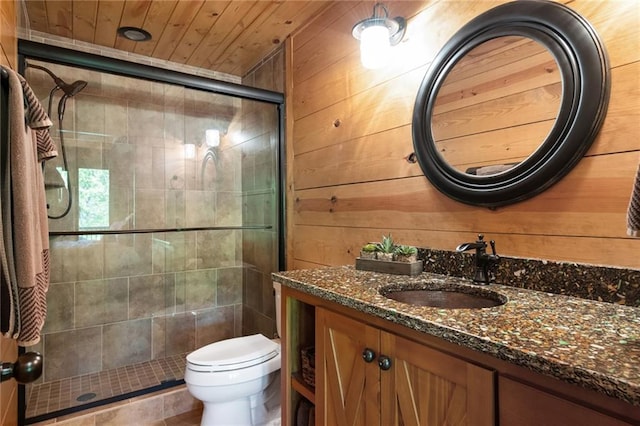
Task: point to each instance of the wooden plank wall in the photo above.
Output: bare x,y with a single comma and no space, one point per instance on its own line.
8,348
349,136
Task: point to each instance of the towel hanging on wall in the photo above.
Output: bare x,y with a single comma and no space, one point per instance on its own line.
633,214
8,285
29,144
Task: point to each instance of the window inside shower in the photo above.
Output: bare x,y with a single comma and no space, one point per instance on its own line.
170,238
93,199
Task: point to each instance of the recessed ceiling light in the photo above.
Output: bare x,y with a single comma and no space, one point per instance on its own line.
134,33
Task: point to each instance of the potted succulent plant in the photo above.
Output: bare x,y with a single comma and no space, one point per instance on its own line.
368,251
386,248
406,253
386,252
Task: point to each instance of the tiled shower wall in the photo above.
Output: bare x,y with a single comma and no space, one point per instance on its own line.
121,299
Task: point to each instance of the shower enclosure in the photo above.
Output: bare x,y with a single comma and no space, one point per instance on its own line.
173,230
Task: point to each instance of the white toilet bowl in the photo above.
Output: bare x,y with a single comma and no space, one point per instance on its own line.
231,378
238,380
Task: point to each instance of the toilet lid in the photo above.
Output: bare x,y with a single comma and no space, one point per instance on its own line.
233,354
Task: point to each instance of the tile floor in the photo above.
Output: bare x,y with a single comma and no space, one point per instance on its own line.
50,397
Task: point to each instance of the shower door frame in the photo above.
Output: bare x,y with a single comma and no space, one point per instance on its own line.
38,51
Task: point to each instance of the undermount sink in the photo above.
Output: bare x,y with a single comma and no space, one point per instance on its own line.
448,297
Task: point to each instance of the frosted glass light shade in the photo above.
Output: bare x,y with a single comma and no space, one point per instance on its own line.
374,46
189,150
212,137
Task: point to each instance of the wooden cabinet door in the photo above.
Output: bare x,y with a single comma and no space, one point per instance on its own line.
524,405
347,387
429,388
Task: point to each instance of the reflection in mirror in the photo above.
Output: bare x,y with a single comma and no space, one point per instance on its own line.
497,105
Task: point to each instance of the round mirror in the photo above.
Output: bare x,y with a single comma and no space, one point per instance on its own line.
497,105
511,103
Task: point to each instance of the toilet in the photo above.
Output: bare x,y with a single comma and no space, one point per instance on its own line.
238,380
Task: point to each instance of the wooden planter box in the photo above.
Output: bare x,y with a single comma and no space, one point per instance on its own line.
386,267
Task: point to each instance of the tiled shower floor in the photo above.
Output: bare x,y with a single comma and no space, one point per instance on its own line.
61,394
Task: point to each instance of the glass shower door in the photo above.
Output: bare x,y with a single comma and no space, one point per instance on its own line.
169,240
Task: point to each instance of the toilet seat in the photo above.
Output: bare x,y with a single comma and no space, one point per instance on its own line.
233,354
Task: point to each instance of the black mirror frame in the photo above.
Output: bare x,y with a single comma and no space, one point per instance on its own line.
584,68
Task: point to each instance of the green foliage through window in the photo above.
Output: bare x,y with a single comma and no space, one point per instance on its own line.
93,198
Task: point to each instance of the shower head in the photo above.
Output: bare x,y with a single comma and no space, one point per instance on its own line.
73,88
68,89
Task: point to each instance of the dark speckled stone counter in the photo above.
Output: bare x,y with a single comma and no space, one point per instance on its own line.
592,344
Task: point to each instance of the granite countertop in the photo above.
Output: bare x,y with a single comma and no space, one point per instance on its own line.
592,344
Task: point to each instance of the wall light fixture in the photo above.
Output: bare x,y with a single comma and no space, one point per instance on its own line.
377,34
212,137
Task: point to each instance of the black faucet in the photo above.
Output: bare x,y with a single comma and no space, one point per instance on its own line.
485,263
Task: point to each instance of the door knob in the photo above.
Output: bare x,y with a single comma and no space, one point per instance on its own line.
26,369
368,355
384,362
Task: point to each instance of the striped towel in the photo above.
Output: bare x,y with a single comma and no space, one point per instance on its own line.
633,214
29,144
37,119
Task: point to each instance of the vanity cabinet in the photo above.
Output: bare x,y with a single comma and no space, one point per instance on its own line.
370,371
373,377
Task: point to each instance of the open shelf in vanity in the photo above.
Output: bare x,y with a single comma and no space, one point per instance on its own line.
302,388
298,322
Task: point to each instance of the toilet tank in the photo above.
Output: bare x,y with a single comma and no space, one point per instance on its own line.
277,292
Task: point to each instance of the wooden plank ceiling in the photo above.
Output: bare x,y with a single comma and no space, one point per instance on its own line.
224,36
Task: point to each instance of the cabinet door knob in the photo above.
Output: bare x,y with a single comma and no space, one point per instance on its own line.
384,362
368,355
